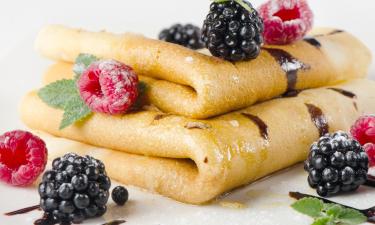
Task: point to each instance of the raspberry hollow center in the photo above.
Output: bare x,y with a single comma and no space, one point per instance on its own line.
288,14
13,159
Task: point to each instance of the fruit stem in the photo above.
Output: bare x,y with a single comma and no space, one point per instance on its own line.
240,2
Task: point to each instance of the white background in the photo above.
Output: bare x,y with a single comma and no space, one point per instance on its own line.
21,68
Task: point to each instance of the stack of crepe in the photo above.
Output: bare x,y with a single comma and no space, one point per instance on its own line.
207,125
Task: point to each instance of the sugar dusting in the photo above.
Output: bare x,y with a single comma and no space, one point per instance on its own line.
189,59
234,123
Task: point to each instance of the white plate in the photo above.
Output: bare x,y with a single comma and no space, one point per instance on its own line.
266,202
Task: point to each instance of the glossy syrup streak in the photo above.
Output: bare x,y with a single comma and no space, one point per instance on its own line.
370,181
369,213
115,222
318,118
289,65
330,33
313,41
263,128
344,92
22,211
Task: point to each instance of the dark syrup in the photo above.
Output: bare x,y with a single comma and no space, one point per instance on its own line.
369,213
330,33
263,128
289,65
23,211
344,92
291,93
115,222
370,181
313,41
318,118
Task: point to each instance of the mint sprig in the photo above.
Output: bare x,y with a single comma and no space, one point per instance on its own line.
63,94
328,213
240,2
82,62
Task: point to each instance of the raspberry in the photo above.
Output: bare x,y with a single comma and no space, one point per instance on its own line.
108,86
370,150
23,157
364,129
285,21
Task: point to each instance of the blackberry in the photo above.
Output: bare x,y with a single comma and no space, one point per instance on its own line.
336,163
120,195
186,35
233,30
75,189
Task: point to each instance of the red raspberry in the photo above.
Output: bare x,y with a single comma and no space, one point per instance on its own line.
364,129
370,150
23,157
285,21
108,86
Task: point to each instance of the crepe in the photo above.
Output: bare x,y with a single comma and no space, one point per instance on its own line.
196,85
194,161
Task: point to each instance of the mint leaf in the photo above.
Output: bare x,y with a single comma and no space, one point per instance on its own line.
333,209
323,221
63,94
309,206
76,110
58,93
82,62
351,217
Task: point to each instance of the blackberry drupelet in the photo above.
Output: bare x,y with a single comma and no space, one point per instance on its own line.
75,189
336,163
233,30
186,35
120,195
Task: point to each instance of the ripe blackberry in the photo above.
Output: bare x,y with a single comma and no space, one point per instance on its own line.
336,163
120,195
186,35
233,30
75,189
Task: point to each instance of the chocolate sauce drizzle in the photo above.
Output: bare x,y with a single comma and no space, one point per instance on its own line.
330,33
115,222
318,118
369,213
291,94
22,211
344,92
313,41
263,128
289,65
370,181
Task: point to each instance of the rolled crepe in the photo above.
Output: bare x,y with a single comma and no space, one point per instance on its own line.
196,85
195,160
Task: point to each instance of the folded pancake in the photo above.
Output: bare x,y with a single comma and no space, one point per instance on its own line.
197,85
195,160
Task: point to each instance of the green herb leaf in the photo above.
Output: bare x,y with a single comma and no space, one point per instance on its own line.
75,111
309,206
351,217
333,209
323,221
58,94
63,94
82,62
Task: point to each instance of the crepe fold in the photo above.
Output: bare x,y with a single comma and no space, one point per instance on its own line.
195,160
196,85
